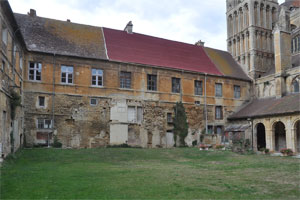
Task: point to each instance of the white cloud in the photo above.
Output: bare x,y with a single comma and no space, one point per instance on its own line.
180,20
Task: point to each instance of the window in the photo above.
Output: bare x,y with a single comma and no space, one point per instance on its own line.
35,70
4,34
198,87
41,101
219,130
97,77
67,74
219,112
296,86
169,118
176,85
197,103
14,50
135,114
237,92
218,88
21,63
151,82
209,129
44,123
125,80
3,65
93,102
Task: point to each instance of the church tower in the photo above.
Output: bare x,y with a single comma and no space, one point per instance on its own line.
249,33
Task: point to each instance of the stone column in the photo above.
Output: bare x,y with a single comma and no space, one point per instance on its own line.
237,47
234,25
262,38
290,136
264,17
258,15
242,45
270,18
251,13
239,21
270,139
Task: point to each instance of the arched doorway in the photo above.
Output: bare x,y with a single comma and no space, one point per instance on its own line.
261,136
280,136
297,133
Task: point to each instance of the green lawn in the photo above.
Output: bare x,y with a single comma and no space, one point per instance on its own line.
115,173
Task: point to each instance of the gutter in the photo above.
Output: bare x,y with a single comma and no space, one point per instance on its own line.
205,104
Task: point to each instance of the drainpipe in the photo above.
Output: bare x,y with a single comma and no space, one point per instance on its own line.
205,103
53,98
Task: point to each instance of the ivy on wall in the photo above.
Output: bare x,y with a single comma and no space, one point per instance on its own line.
180,123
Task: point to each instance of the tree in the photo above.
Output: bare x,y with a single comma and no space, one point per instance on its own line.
180,123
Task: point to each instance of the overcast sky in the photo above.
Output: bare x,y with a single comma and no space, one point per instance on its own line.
181,20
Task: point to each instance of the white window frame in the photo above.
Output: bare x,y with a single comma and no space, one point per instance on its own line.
136,119
43,122
4,34
235,91
39,97
69,70
98,74
36,68
217,89
95,100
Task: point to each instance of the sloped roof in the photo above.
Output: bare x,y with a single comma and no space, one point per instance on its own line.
225,63
268,107
61,37
143,49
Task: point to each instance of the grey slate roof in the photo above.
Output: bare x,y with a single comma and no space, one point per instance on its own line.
61,37
267,107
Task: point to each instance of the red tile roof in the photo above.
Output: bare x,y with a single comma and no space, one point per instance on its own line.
148,50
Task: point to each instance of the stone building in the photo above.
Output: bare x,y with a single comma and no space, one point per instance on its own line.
99,86
274,113
94,86
11,80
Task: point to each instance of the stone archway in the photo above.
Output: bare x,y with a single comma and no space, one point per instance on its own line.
279,135
297,134
260,136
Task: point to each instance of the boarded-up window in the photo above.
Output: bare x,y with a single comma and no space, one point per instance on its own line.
131,114
135,114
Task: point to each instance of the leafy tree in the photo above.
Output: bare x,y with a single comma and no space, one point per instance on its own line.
180,123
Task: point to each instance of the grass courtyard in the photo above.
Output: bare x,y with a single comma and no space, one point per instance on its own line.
115,173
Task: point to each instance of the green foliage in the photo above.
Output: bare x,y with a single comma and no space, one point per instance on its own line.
56,142
180,123
12,141
15,101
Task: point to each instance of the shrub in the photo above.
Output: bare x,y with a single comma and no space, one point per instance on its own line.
194,143
56,142
180,123
267,150
286,151
219,146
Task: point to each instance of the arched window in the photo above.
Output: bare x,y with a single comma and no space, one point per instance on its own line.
295,84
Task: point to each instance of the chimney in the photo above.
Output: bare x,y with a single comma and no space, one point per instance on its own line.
129,27
68,20
32,13
200,43
282,51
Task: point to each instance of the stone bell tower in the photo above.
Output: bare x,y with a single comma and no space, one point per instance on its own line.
249,33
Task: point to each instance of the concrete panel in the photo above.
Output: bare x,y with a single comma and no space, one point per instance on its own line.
118,134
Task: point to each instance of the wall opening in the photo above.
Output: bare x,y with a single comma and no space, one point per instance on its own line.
261,136
280,136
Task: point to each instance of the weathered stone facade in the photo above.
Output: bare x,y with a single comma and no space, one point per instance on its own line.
78,124
11,79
